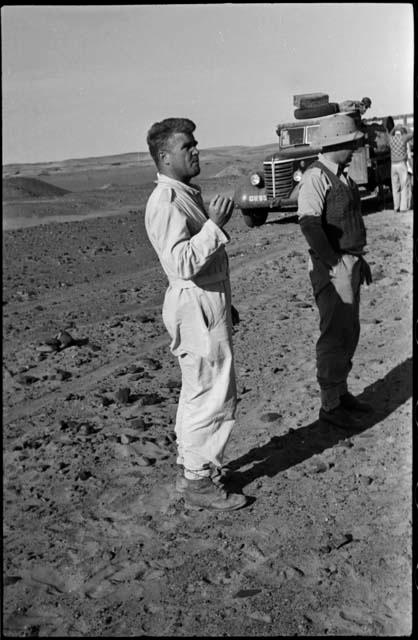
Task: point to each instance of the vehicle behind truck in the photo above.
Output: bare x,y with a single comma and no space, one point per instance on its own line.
274,187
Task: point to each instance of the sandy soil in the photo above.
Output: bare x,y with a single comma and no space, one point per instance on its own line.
96,540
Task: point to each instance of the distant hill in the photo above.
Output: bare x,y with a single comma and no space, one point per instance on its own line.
232,171
123,161
19,188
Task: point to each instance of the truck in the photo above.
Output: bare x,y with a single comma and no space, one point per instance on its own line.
274,187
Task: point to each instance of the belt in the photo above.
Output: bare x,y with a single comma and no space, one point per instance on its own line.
199,281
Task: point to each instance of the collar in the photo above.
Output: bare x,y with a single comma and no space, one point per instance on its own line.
332,166
176,184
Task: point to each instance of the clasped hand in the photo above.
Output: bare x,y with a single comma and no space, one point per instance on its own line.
220,210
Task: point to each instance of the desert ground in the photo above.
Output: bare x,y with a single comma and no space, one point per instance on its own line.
97,542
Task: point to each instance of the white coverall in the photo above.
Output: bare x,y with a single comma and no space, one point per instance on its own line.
197,315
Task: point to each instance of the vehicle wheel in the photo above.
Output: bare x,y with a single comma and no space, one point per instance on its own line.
255,218
316,112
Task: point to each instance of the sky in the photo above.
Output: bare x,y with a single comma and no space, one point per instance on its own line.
84,81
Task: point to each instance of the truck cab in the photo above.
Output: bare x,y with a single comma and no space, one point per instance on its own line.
274,187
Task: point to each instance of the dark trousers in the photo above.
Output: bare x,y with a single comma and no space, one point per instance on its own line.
339,335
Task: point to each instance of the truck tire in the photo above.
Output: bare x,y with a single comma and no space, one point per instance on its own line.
255,218
316,112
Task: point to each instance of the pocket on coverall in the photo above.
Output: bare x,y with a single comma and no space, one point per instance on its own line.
187,318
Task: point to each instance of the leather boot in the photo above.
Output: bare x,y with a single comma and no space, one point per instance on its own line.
340,417
349,402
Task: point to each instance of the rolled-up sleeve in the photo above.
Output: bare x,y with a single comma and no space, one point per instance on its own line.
311,199
182,254
312,192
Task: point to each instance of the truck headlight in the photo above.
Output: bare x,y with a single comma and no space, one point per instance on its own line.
255,179
297,176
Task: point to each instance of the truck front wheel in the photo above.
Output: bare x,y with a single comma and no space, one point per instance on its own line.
254,217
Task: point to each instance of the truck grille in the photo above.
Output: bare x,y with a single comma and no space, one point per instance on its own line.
278,178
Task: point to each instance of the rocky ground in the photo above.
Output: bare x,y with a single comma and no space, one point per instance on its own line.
96,540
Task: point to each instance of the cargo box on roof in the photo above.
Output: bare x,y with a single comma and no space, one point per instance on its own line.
307,100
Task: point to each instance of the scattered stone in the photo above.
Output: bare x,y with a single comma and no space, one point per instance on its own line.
106,401
354,615
87,429
247,593
146,399
48,576
138,423
63,375
290,572
123,395
135,376
320,467
65,339
150,363
66,425
173,384
270,417
26,378
121,450
11,580
84,475
143,461
48,348
74,396
134,368
125,439
346,539
261,617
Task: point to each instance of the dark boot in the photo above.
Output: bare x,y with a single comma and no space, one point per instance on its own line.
207,495
340,417
349,402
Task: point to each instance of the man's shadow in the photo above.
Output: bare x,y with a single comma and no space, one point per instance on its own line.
282,452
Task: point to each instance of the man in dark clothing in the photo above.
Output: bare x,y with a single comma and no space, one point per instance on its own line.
331,221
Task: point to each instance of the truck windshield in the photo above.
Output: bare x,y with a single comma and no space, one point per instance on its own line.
291,137
310,131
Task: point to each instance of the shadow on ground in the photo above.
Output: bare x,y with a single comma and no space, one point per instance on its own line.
284,220
283,452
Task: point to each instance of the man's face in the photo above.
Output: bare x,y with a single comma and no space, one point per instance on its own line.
180,160
344,154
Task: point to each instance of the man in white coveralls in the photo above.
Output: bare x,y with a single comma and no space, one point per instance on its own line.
190,244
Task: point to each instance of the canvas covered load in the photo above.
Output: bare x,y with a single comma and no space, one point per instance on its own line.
308,100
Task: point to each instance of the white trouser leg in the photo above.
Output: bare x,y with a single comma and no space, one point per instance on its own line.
404,179
199,322
396,186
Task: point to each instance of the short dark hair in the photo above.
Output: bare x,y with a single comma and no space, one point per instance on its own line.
160,132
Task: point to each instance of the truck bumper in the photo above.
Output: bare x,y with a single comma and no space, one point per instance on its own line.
276,204
254,198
